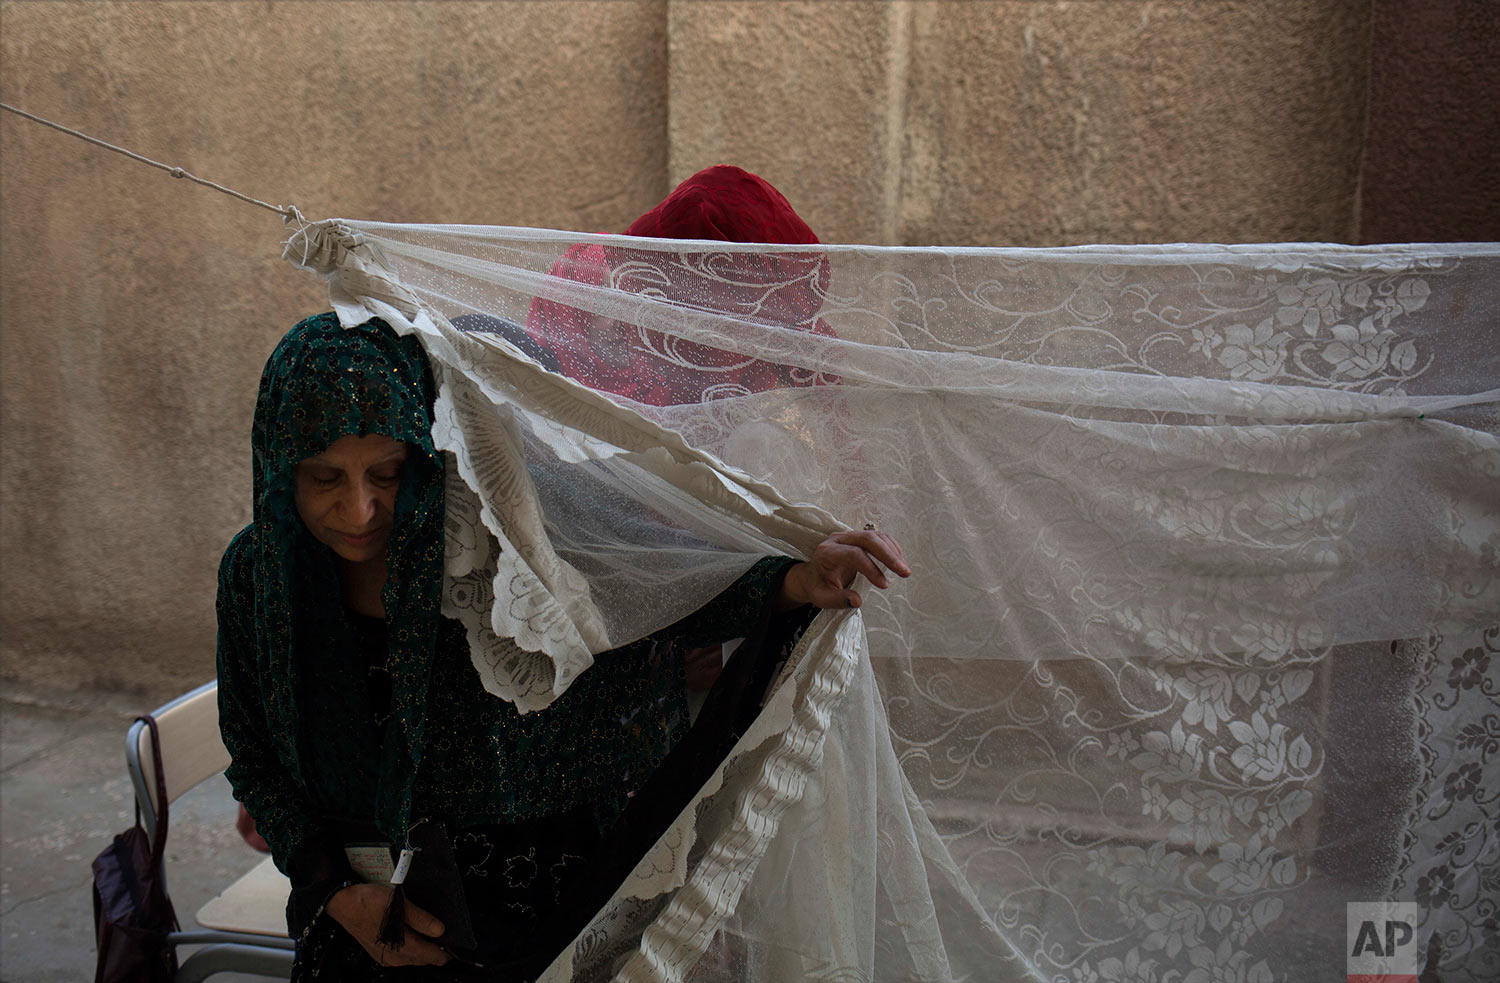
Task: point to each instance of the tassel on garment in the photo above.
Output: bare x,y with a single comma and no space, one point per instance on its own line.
393,927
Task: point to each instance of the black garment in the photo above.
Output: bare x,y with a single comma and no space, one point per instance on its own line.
532,886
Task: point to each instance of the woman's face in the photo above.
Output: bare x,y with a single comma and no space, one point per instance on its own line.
347,494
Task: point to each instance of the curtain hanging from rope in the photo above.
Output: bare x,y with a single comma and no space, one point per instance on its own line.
1203,638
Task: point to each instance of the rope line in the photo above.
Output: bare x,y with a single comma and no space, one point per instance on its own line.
288,213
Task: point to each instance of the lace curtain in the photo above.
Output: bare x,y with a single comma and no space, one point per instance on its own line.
1203,637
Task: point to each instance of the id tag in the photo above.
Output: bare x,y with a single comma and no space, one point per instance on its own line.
371,862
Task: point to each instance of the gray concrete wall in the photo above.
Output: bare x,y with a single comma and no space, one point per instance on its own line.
136,311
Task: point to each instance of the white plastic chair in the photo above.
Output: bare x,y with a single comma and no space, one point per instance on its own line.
245,926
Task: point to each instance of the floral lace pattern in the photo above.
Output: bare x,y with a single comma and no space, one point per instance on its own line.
1285,319
1168,508
1451,851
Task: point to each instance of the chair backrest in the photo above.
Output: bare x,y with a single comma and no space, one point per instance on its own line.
191,748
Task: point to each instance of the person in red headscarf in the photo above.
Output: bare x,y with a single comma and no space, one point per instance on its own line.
722,203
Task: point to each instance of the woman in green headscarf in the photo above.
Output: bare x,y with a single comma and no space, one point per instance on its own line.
353,714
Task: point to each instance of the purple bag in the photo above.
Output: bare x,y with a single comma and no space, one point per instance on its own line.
132,913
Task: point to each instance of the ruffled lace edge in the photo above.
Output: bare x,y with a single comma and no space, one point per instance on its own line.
586,426
789,736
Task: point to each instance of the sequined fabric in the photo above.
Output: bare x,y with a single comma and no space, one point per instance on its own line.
291,716
331,717
482,760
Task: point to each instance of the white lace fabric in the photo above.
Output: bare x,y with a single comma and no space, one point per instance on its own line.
1203,637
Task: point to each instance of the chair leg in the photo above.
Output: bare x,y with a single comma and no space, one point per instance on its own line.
230,957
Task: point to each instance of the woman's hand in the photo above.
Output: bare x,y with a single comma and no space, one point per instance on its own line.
824,580
360,908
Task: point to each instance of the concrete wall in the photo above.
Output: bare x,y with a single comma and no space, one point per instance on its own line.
1432,144
136,311
1032,123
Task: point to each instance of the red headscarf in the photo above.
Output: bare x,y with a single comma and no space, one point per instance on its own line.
727,204
723,203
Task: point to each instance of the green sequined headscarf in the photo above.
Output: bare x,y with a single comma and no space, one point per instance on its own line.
323,382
